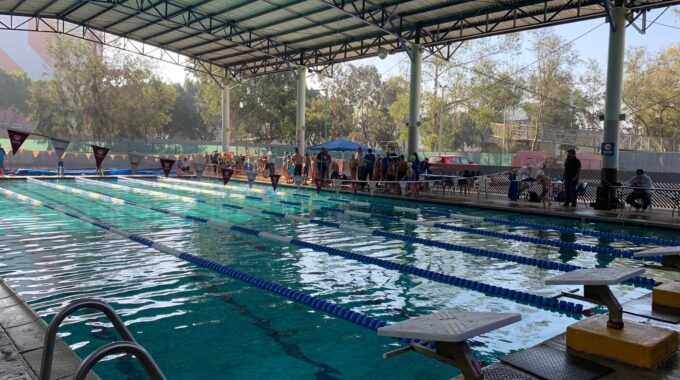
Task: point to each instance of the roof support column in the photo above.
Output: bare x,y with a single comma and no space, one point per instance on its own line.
612,110
414,99
226,120
300,109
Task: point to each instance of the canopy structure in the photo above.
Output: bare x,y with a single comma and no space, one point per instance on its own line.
339,145
240,38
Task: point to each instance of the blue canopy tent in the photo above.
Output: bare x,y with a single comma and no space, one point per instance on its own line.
339,145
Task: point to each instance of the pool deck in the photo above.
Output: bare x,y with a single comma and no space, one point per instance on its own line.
22,335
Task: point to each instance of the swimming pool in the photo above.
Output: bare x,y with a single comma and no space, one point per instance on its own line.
200,324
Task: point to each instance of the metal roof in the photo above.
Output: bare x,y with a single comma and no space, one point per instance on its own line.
254,37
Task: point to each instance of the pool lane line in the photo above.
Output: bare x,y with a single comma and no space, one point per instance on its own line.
542,302
540,263
613,252
292,294
371,205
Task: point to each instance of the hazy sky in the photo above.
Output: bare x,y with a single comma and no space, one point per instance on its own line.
665,32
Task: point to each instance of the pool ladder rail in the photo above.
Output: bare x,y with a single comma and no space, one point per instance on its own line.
128,345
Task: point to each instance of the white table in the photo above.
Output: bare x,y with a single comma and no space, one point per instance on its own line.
450,330
596,287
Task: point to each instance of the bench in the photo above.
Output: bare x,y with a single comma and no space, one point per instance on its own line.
449,330
596,288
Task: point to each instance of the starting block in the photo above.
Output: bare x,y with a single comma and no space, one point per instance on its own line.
670,257
641,345
449,330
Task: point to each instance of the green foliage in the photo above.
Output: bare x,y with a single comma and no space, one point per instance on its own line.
14,94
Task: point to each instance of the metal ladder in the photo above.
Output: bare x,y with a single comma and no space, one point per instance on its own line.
129,345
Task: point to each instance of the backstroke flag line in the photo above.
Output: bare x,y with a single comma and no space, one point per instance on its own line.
16,138
275,180
251,178
319,185
135,160
226,175
99,155
166,165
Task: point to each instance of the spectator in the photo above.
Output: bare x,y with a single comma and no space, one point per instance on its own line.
271,161
572,171
335,170
323,161
513,190
401,168
360,163
544,181
353,163
298,160
214,158
416,165
369,163
642,189
2,160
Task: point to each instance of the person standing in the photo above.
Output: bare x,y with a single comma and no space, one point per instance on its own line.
323,160
642,189
3,154
298,160
416,165
271,161
572,172
308,167
369,163
214,159
360,164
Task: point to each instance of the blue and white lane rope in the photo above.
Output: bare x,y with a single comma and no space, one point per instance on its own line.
538,301
222,194
540,263
613,252
371,205
294,295
548,227
230,187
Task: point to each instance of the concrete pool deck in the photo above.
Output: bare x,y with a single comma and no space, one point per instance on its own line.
22,335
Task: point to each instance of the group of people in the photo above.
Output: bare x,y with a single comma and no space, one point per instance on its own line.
641,185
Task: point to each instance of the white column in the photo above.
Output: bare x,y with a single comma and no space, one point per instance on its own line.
300,109
414,100
612,110
226,121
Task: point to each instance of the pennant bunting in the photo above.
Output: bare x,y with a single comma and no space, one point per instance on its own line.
99,155
59,147
298,181
35,153
275,180
251,178
166,165
16,138
226,176
198,169
319,185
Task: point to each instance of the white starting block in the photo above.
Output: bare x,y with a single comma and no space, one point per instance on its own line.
449,330
670,256
596,288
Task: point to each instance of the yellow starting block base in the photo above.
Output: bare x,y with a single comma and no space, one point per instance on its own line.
667,294
640,345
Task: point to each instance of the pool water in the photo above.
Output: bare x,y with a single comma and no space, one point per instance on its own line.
199,324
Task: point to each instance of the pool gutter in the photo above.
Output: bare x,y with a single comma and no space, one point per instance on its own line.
22,335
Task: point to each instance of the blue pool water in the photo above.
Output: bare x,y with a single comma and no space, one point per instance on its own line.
199,324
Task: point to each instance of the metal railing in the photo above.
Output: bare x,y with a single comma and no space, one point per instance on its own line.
124,347
107,310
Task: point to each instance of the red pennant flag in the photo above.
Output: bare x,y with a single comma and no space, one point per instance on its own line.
16,138
319,185
226,175
275,180
166,165
99,154
354,187
251,178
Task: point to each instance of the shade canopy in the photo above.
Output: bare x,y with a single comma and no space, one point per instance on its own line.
339,145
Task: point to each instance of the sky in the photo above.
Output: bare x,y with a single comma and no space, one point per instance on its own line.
663,33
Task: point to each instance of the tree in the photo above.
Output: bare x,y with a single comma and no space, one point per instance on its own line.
186,120
14,96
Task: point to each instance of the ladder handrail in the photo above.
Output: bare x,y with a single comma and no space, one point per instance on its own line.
51,334
124,347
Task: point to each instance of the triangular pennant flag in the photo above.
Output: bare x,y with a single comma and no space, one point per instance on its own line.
226,176
135,160
124,156
166,165
371,186
99,154
35,153
275,180
403,185
298,180
50,153
251,178
59,147
16,138
88,155
338,185
319,185
198,168
113,156
354,187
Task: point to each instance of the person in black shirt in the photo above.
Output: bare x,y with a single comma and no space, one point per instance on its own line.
572,171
